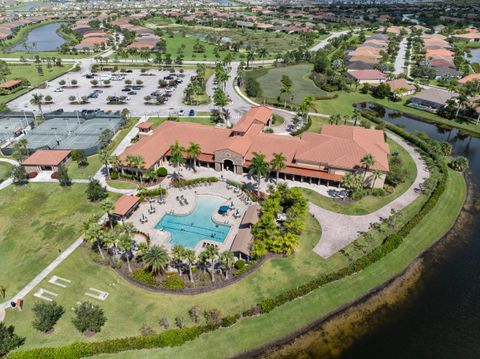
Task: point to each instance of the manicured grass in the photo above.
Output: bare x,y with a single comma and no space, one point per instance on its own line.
317,123
37,222
43,54
5,169
343,105
156,121
257,331
302,86
277,120
368,204
122,185
74,171
29,72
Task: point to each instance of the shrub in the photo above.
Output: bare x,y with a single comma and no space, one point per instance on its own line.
378,192
126,175
8,339
46,315
89,317
304,128
145,277
173,281
95,191
357,195
239,264
213,317
162,172
114,175
146,330
194,181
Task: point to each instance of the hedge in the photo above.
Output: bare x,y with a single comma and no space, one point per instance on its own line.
304,128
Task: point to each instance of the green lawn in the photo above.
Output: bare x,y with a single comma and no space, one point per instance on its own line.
343,105
5,169
156,121
368,204
122,184
37,221
42,54
253,332
302,86
30,73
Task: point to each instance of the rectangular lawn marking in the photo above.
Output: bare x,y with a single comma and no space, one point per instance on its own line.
97,294
59,281
40,293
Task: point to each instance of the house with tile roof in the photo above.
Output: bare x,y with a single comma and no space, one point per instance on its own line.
320,158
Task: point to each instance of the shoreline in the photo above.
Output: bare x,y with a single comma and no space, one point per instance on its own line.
371,297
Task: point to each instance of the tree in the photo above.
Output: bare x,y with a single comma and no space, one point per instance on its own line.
176,155
37,100
190,258
250,57
285,92
95,191
357,114
94,234
367,161
88,317
8,339
178,254
226,260
63,177
376,174
278,163
126,242
193,151
305,106
211,254
108,207
104,156
195,313
46,315
19,175
156,259
20,150
258,168
252,88
459,163
352,182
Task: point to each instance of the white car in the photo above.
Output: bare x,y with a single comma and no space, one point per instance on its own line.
59,89
181,113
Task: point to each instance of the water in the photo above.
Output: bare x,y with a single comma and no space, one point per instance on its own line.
26,7
189,230
42,38
475,56
441,317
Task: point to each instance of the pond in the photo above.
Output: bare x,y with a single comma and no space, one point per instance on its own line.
475,56
26,7
441,318
42,38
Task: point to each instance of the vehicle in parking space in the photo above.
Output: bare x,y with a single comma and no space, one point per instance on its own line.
136,88
167,94
58,89
178,81
98,91
191,112
169,77
126,89
129,71
93,95
89,76
132,93
169,89
127,98
156,93
181,113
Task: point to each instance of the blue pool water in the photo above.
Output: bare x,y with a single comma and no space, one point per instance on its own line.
197,226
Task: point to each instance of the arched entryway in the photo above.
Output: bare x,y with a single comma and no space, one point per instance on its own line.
228,165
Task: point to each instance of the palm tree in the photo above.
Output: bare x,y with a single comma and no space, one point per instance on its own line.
115,161
178,253
250,57
462,101
108,207
305,106
376,174
211,253
285,91
352,182
258,168
193,152
190,257
263,53
367,161
278,163
176,155
227,258
104,156
356,116
125,242
94,233
156,259
37,100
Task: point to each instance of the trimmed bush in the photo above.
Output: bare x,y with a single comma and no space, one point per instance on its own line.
195,181
144,277
114,175
162,172
239,264
173,281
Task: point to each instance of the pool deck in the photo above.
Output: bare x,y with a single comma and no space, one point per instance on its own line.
172,206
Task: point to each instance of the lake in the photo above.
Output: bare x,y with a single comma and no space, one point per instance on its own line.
441,317
26,7
475,56
42,38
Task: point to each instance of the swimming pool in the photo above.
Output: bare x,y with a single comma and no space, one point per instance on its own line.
198,225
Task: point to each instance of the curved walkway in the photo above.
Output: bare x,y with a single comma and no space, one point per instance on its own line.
339,230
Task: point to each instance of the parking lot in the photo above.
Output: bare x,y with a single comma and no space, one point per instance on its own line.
136,103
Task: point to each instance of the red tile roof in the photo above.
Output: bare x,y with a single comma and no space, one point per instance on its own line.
125,204
471,77
10,83
256,114
46,158
367,75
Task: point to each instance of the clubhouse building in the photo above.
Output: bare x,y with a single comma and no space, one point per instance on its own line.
319,158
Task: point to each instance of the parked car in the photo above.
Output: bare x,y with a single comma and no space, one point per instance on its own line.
93,95
156,93
181,113
132,93
126,89
136,88
191,112
169,77
89,76
167,94
58,89
98,91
